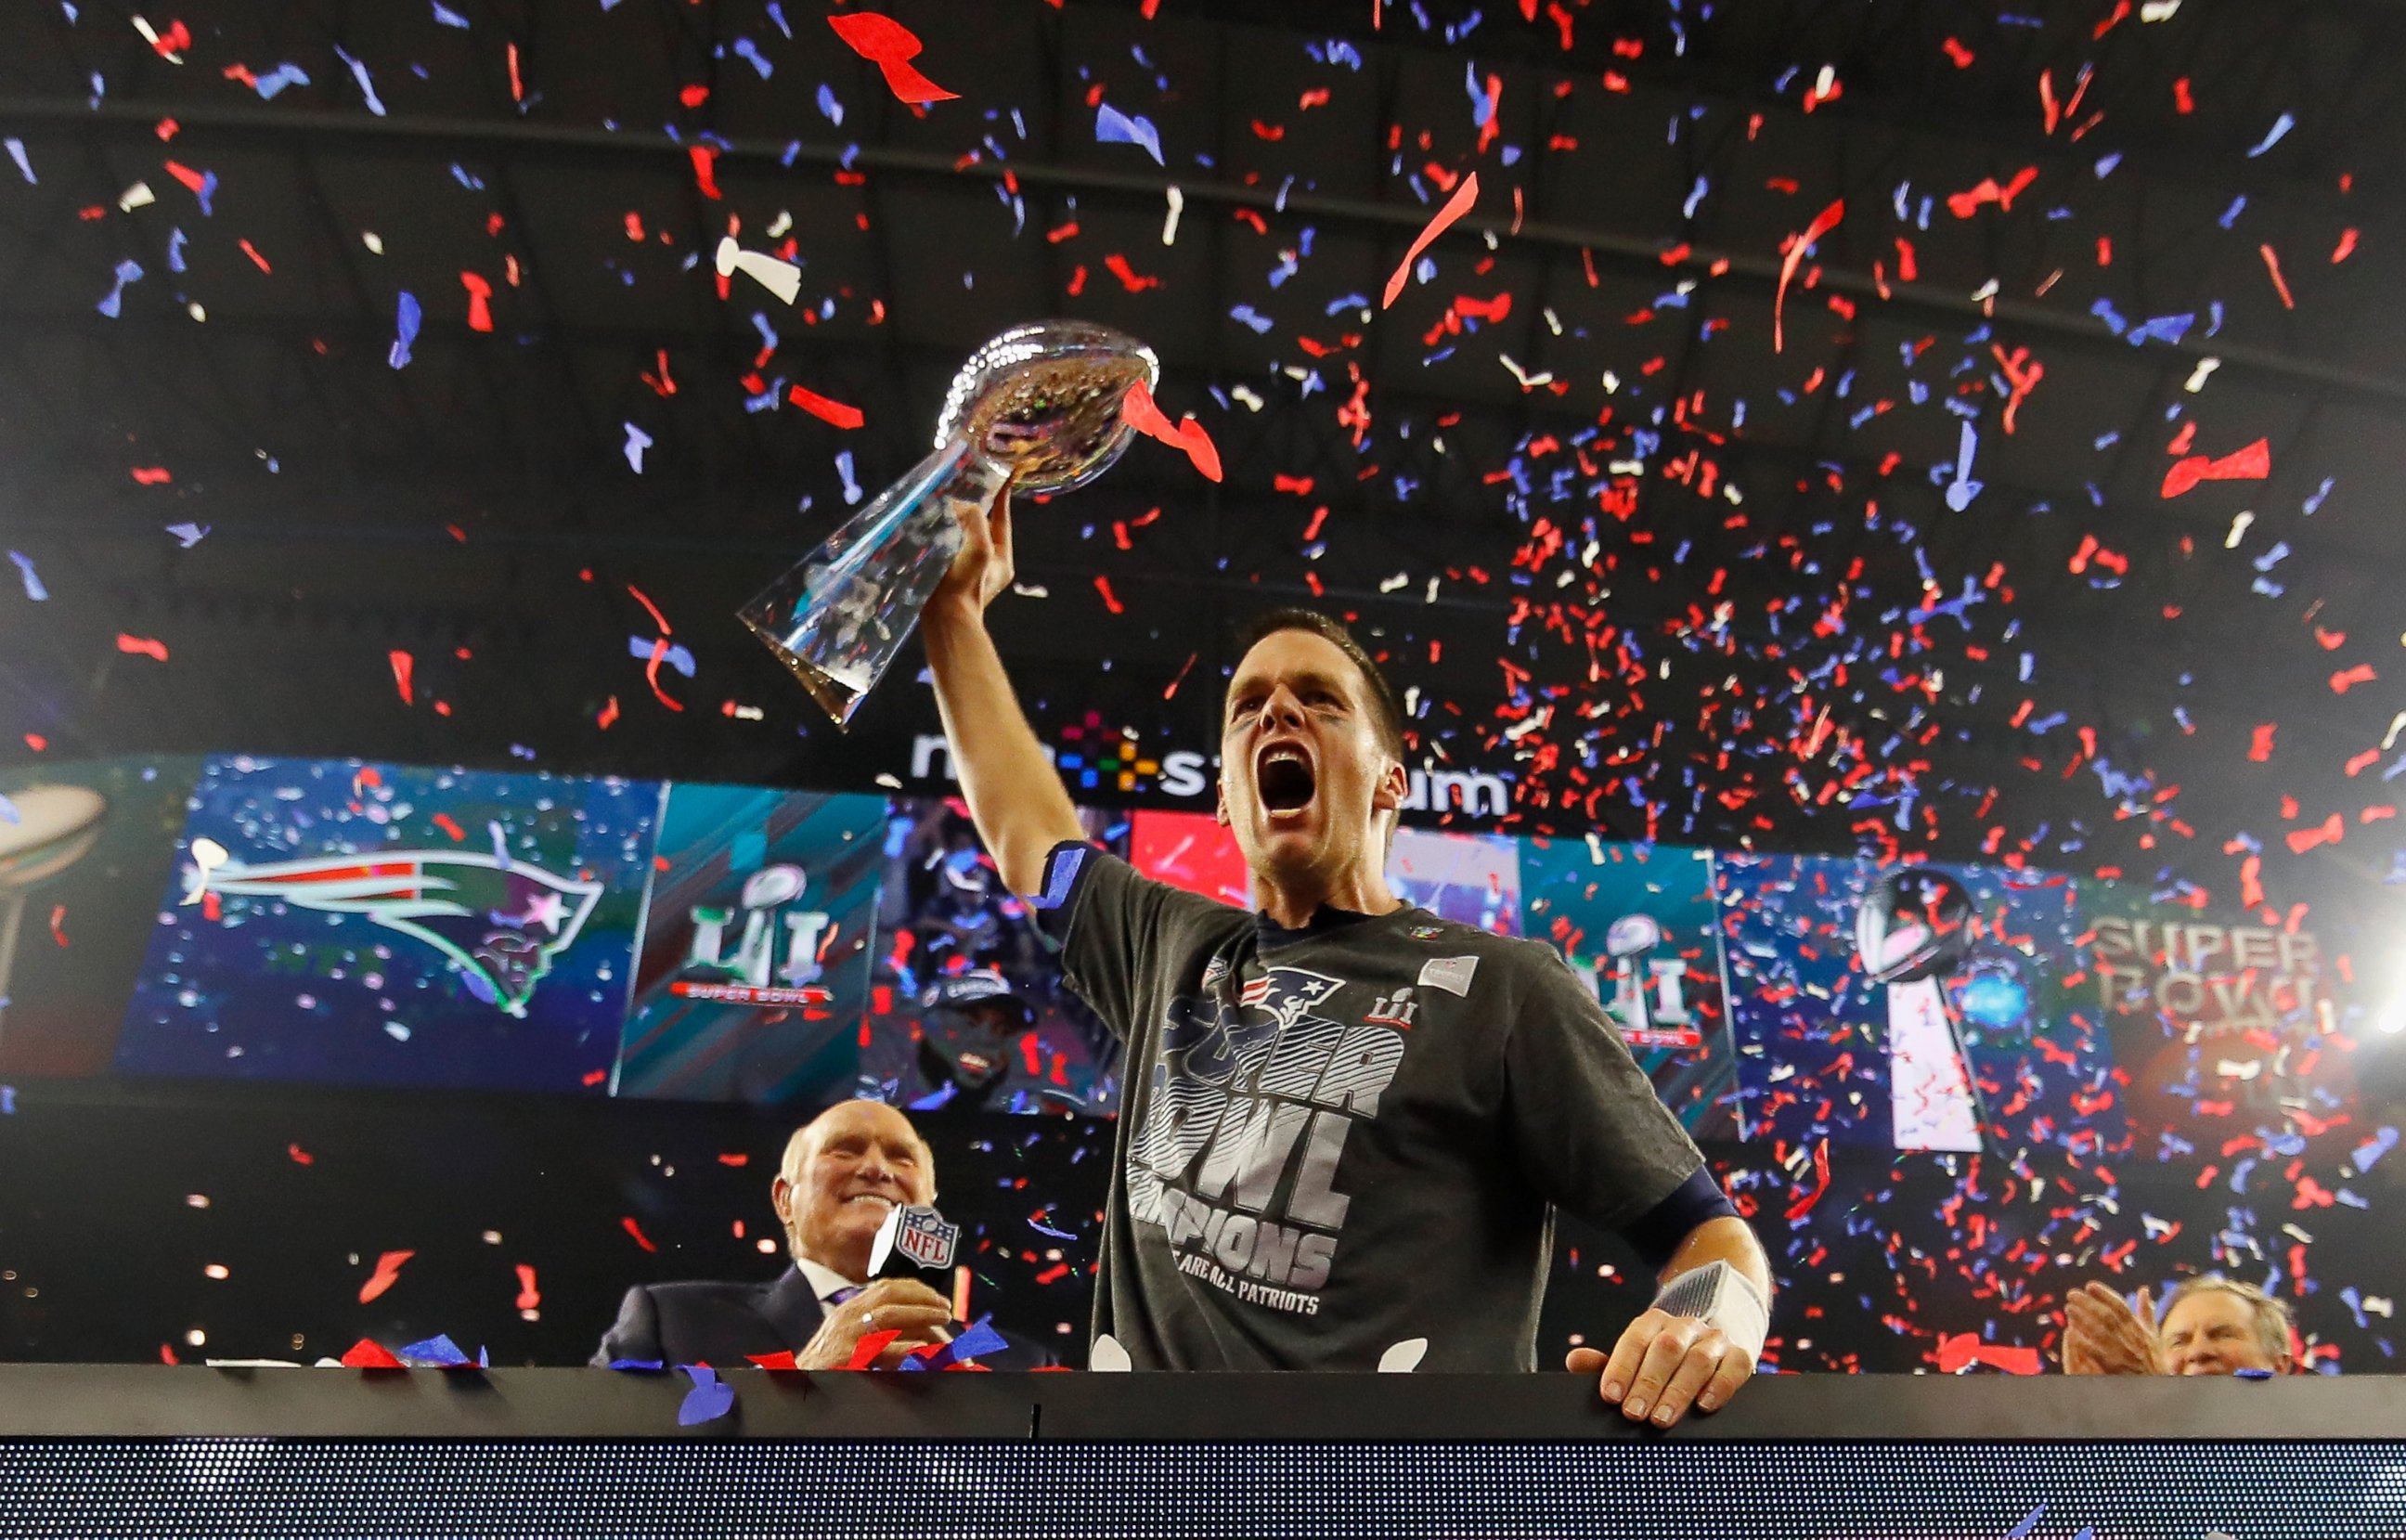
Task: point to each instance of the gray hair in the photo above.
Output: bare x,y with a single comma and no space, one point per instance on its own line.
2271,1316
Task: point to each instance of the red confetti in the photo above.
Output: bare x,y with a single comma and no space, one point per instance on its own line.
1822,224
387,1273
300,1157
404,666
368,1354
629,1224
480,309
2304,840
445,821
889,45
864,1353
530,1296
1146,417
774,1361
705,161
59,924
652,673
145,646
824,409
1130,279
2361,674
154,475
1961,1352
1455,207
1964,205
252,252
2253,463
2280,284
609,713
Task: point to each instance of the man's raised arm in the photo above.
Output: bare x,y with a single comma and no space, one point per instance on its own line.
1013,792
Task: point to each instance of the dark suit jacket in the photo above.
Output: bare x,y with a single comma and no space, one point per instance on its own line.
723,1324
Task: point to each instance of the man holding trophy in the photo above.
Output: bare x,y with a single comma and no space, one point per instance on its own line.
1347,1121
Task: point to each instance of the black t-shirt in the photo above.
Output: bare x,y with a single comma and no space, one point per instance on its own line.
1337,1139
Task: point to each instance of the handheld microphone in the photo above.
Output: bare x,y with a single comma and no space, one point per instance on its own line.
915,1240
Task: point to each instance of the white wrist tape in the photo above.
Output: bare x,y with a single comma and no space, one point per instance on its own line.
1724,1299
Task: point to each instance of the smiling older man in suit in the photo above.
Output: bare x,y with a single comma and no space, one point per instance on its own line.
843,1173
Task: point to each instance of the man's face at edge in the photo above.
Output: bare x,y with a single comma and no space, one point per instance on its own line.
2212,1332
1303,773
861,1161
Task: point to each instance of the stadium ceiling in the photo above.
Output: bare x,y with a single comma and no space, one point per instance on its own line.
567,167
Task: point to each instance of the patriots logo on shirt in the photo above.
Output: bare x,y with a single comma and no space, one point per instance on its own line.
1210,1044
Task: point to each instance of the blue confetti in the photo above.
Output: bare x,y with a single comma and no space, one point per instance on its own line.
359,73
128,270
1963,490
830,107
7,1100
673,656
437,1352
2281,126
750,51
637,442
189,534
638,1365
1112,126
17,153
2373,1149
176,249
710,1399
405,330
449,18
1255,318
283,75
9,813
34,590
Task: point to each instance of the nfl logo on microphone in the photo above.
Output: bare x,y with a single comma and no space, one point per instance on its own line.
925,1238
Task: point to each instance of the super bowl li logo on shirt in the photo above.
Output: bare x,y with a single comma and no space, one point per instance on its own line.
1250,1104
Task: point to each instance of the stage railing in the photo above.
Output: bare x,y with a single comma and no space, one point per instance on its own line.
104,1451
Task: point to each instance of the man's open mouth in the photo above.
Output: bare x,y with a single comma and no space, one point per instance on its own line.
878,1198
1284,778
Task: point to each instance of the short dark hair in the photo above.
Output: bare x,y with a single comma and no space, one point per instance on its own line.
1386,711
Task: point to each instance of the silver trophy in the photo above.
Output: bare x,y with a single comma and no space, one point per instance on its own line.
1914,928
1035,409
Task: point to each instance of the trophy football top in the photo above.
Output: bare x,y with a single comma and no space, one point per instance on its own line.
1043,401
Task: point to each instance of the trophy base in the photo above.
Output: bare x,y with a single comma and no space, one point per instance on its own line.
837,694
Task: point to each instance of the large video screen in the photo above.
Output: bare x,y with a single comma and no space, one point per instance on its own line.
381,924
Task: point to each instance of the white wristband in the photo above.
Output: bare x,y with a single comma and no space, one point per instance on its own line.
1723,1298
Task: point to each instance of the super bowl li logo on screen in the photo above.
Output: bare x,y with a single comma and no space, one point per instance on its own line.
770,926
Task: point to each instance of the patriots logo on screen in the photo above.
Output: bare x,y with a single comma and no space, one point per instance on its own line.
500,924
